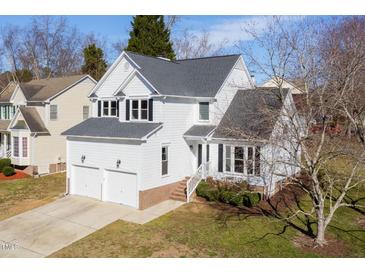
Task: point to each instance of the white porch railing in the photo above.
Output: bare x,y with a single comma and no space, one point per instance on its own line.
8,153
193,182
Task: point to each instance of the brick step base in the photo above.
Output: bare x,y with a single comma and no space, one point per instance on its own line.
179,194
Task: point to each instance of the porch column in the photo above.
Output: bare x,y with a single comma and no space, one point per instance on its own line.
5,144
204,160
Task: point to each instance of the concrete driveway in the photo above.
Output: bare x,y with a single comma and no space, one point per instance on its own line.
46,229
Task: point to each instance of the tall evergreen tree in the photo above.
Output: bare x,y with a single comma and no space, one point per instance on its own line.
94,63
150,36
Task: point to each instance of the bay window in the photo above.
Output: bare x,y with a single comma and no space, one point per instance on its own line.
16,146
228,158
25,146
238,159
242,159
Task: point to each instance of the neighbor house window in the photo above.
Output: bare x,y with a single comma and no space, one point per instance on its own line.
53,112
7,112
238,159
250,160
257,161
139,110
228,158
165,158
25,146
107,108
85,112
16,146
204,111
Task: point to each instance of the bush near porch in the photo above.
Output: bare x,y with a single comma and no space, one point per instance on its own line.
5,167
228,193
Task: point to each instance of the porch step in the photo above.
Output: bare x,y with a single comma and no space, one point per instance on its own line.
179,194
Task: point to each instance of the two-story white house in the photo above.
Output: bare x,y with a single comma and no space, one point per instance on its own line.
156,123
33,115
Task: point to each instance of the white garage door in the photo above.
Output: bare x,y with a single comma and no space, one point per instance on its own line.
120,187
86,181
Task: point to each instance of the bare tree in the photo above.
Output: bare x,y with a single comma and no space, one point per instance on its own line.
295,50
190,45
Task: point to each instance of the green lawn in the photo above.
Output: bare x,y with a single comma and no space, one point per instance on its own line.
17,196
203,230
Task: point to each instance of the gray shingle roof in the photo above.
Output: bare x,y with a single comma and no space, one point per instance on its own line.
199,130
251,115
200,77
112,128
33,120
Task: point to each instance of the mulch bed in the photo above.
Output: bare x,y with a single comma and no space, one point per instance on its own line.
18,175
333,248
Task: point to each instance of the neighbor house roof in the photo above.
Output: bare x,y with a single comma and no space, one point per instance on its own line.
33,119
7,92
252,114
199,77
4,124
43,89
108,127
199,131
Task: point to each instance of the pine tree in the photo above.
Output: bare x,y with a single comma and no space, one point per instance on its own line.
150,36
94,63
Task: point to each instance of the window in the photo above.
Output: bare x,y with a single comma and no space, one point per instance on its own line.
228,158
164,158
25,146
144,109
85,112
16,146
250,160
204,111
105,108
257,161
135,110
53,112
113,108
238,159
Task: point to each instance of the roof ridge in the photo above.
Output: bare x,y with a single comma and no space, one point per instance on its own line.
153,57
58,77
208,57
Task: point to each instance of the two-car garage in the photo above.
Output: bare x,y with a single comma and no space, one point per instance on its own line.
103,184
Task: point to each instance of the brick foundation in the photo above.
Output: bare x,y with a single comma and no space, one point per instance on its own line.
153,196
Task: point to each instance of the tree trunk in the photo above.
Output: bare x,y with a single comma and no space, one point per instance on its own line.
321,228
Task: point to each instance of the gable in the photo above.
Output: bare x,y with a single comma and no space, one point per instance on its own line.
118,74
136,86
18,97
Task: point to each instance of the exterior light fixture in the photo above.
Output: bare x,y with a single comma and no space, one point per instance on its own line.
83,158
118,163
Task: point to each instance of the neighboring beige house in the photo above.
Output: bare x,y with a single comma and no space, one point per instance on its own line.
276,82
33,115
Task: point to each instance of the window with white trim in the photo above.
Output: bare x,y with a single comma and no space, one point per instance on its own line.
25,146
164,160
16,146
139,110
204,111
107,108
53,113
239,159
7,112
228,158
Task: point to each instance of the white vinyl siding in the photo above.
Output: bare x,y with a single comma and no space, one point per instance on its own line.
53,112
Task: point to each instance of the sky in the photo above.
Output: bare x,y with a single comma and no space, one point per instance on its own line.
116,28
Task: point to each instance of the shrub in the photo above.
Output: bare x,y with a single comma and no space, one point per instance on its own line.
207,191
4,162
236,200
8,171
226,196
251,199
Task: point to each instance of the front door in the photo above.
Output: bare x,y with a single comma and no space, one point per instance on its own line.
200,148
